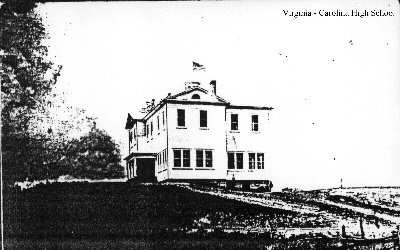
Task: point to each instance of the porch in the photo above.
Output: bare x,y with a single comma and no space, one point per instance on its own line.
141,166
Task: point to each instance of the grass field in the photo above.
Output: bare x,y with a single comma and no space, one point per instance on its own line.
120,210
121,215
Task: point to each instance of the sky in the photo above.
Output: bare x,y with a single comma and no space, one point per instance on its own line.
333,80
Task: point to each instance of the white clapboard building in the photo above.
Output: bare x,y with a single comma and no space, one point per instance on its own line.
198,136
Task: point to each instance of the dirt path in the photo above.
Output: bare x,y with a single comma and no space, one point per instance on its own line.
365,211
351,224
262,201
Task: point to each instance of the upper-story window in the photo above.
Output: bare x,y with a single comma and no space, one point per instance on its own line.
158,123
195,96
147,130
234,122
203,118
254,123
151,128
181,117
130,136
163,118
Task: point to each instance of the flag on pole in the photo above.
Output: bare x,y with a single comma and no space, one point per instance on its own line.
198,67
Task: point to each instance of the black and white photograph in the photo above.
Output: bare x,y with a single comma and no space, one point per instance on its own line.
200,124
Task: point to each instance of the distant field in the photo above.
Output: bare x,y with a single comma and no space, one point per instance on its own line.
324,213
385,199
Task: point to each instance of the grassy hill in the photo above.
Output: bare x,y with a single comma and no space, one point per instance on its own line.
87,210
122,215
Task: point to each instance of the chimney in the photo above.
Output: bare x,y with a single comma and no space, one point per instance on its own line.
213,84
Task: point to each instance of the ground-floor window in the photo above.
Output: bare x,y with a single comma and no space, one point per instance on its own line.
256,159
235,160
252,160
165,155
162,159
204,157
130,170
199,158
181,158
260,160
209,158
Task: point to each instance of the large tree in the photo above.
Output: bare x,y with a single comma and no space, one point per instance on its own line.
27,77
57,124
38,127
94,156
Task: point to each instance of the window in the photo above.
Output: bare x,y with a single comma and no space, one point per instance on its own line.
151,128
260,161
199,158
239,160
163,118
235,160
195,96
254,123
252,160
256,161
162,159
234,122
147,130
204,158
181,117
177,158
130,136
209,158
158,123
182,158
203,118
186,158
231,160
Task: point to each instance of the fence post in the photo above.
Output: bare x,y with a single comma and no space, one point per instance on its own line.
344,231
396,236
362,228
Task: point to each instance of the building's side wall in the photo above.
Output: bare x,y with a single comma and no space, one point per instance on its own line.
156,141
246,141
193,137
137,136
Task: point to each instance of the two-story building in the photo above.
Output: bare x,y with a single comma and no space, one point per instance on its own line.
197,135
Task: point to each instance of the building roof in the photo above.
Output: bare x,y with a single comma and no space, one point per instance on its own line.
139,155
248,107
174,99
131,121
194,89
